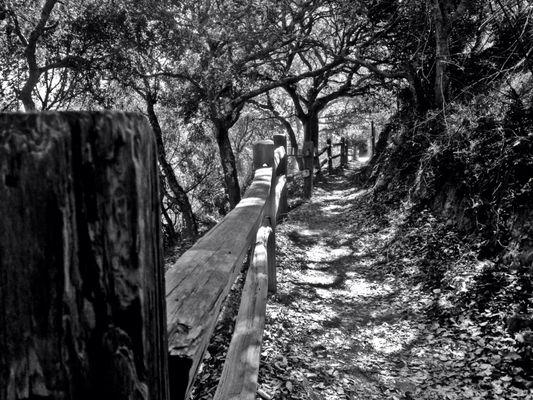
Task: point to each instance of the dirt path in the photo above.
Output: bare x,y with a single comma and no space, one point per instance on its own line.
375,303
345,325
342,324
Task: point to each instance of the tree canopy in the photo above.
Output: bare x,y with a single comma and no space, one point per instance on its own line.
195,68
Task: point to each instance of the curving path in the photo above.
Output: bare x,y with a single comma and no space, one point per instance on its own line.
344,325
356,315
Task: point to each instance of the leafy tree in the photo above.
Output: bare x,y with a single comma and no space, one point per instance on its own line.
49,54
145,36
267,105
228,62
341,29
428,44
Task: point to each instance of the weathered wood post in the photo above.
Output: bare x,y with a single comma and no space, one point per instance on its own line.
308,155
241,368
330,160
81,275
281,174
263,156
343,152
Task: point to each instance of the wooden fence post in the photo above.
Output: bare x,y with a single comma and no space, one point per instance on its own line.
263,154
343,152
330,161
264,157
81,272
283,207
309,155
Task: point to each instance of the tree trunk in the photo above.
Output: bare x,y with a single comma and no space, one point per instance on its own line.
229,166
25,94
170,231
417,89
81,273
189,220
292,139
442,52
171,235
310,123
308,149
311,129
30,53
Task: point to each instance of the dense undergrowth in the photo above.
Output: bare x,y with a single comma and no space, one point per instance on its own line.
493,294
470,166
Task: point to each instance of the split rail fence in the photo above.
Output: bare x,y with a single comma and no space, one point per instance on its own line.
86,310
311,161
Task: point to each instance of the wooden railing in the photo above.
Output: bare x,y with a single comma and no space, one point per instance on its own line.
81,272
311,161
86,312
328,150
197,284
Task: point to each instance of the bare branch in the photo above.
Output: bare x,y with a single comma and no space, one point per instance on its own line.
18,31
398,74
286,81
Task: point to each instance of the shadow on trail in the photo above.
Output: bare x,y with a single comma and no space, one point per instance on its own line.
334,296
350,318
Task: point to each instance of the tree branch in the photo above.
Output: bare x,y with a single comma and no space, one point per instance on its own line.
398,74
18,31
285,81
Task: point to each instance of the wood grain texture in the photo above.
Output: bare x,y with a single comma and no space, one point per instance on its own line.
278,158
81,283
281,198
280,161
241,368
197,284
280,142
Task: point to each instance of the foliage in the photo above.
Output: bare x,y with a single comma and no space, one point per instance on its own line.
487,162
382,301
450,208
52,53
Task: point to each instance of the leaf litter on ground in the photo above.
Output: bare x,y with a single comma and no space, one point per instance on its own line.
376,302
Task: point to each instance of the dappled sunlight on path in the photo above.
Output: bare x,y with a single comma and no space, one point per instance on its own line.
346,323
341,325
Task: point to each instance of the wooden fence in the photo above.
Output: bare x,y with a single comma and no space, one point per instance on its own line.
198,282
82,306
311,161
81,275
